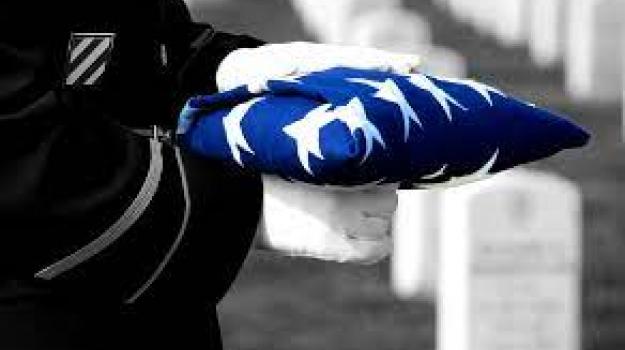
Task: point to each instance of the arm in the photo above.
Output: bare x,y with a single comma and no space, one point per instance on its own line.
322,223
69,173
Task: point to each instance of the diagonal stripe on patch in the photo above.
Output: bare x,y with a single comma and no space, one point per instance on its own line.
89,60
96,75
101,61
84,43
84,54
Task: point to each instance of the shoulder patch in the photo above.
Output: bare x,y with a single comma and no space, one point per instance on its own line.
87,58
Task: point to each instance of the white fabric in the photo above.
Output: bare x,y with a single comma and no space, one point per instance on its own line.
254,66
327,223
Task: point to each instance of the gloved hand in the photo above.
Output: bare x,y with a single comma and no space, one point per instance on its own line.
327,223
254,66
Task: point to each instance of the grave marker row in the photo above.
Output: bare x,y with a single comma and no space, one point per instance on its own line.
587,35
546,31
330,21
510,264
384,25
502,257
594,51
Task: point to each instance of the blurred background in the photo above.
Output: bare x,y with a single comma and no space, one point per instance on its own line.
566,55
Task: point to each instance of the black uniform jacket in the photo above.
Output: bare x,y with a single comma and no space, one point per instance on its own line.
70,166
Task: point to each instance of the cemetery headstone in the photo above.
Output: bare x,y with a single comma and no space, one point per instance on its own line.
406,32
483,16
392,29
330,20
511,19
443,62
546,31
415,245
594,50
510,264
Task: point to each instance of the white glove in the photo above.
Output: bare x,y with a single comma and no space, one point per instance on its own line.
327,223
254,66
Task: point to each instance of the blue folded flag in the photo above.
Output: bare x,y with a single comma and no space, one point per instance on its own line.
351,127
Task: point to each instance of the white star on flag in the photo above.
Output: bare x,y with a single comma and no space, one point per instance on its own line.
390,92
306,131
482,89
234,133
443,98
260,86
438,173
355,117
479,174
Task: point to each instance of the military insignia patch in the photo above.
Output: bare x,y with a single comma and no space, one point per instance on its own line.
88,57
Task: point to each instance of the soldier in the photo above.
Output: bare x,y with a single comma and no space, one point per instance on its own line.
112,237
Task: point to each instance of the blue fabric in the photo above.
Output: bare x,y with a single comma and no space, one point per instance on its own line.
350,127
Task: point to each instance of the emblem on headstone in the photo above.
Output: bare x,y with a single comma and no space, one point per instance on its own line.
88,57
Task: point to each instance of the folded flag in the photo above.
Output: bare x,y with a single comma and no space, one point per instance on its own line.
351,127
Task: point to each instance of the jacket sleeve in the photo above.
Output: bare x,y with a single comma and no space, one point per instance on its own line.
198,73
197,49
70,172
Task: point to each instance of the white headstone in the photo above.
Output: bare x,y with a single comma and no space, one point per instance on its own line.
406,32
443,62
594,49
484,16
391,29
511,21
547,31
510,264
330,20
414,259
313,17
